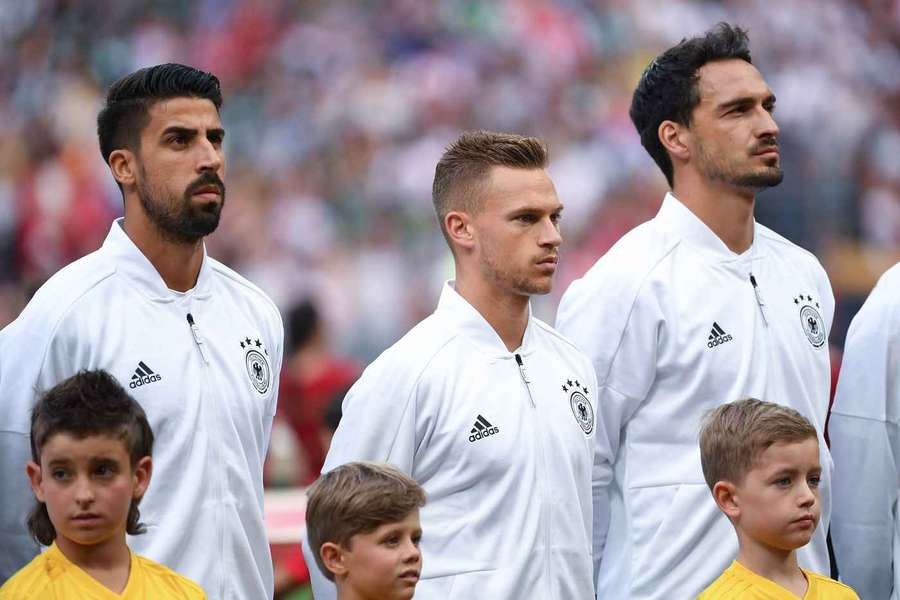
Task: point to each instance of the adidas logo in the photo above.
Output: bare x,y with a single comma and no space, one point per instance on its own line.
717,336
482,429
143,375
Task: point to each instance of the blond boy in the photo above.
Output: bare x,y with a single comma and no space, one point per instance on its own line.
363,524
91,446
761,461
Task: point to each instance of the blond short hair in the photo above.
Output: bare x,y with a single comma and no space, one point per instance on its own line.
466,162
357,497
734,435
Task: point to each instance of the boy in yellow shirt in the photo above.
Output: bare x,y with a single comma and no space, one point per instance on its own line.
91,446
363,523
761,461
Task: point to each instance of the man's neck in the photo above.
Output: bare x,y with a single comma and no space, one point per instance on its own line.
725,209
108,562
178,264
506,312
779,566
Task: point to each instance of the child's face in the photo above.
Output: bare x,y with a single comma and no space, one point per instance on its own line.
88,485
778,501
384,564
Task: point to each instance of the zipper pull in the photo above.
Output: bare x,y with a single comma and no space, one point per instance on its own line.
525,379
198,339
759,299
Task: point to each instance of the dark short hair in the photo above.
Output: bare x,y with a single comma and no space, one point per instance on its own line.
354,498
466,162
129,99
302,324
668,88
88,403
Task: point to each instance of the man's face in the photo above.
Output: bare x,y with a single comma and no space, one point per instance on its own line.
779,497
517,230
733,133
88,485
384,564
181,168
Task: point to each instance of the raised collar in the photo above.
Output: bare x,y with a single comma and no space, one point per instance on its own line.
683,224
475,329
137,268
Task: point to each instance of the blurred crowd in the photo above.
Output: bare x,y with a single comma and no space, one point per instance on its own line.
337,110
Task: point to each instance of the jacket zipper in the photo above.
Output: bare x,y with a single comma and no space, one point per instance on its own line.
198,339
544,467
201,345
759,299
525,380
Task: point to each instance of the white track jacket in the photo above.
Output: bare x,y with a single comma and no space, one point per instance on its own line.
503,450
209,392
865,442
677,324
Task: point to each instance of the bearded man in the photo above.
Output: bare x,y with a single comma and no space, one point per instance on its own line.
198,346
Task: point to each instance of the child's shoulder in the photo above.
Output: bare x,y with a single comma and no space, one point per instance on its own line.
31,581
158,576
829,589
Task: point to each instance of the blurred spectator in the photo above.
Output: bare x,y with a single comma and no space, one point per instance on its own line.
311,378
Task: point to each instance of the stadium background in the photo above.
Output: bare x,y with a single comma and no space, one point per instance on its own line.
337,110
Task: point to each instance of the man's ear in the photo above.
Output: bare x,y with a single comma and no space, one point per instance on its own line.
725,495
35,477
334,559
459,229
675,139
142,472
123,164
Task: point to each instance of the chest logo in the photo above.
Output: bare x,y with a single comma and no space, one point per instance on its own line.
811,320
257,363
482,429
581,406
143,375
717,336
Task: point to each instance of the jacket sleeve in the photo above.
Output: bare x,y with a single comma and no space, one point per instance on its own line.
864,443
31,361
378,424
617,329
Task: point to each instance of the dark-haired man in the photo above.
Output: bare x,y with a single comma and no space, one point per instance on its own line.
489,409
697,307
197,345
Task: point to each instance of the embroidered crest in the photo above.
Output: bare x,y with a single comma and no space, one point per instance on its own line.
257,362
581,406
811,320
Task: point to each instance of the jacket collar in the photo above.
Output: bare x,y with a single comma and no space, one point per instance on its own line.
685,225
472,325
137,268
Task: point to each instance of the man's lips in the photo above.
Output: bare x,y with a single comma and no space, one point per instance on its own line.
805,521
207,190
550,260
86,518
768,151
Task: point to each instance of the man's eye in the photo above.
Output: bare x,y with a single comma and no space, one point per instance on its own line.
391,540
59,473
814,481
783,482
105,470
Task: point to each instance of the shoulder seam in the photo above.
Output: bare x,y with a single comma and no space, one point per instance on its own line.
637,293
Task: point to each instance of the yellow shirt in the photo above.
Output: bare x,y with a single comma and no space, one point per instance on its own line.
52,576
740,583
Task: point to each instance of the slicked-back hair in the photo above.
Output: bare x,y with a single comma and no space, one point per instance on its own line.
734,435
88,403
466,162
355,498
668,89
129,99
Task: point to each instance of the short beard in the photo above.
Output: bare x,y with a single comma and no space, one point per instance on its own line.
716,169
503,278
177,219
